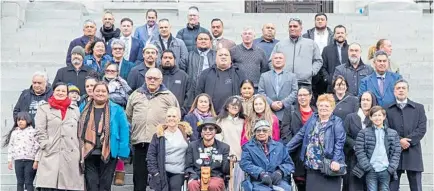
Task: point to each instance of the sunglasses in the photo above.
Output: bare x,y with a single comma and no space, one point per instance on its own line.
150,78
210,129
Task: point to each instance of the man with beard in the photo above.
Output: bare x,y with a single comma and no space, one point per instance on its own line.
136,77
133,46
150,29
321,34
108,30
89,30
199,60
221,80
176,80
267,41
75,73
31,98
189,33
353,70
217,32
333,55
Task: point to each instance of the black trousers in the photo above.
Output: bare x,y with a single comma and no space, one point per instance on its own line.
140,166
98,175
175,181
50,189
414,179
25,174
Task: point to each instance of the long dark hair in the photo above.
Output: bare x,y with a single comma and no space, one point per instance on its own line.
20,116
374,102
233,100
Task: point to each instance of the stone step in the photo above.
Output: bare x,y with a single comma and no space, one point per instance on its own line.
39,15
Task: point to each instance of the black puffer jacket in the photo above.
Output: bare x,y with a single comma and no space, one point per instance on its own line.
365,145
189,34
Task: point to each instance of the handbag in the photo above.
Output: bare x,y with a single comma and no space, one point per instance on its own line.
326,166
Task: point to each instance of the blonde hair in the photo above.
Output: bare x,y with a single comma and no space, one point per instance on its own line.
211,105
374,48
326,98
253,117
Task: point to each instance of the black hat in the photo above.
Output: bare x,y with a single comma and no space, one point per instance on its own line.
210,121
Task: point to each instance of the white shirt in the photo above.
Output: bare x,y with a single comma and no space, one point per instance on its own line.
127,46
321,39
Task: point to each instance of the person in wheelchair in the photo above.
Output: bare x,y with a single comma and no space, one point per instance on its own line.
266,162
207,159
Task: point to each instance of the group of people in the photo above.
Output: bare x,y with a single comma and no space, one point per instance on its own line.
199,108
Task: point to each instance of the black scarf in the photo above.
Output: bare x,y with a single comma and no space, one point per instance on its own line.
168,42
110,33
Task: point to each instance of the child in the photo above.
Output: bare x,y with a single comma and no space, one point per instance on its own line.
74,93
378,151
22,148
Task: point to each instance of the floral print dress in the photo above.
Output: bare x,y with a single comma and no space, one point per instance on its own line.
314,150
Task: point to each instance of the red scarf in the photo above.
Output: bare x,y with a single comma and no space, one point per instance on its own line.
61,105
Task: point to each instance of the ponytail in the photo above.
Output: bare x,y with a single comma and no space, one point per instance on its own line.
371,51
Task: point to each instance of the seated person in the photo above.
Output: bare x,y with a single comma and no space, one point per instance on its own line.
266,161
207,152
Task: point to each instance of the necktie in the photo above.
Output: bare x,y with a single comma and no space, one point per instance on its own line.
381,85
402,105
205,63
127,48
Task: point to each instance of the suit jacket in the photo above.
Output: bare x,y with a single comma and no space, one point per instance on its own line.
135,50
330,59
370,83
288,89
310,34
141,33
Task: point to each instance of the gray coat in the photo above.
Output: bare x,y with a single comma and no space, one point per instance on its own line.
365,145
59,154
177,46
353,76
302,58
287,93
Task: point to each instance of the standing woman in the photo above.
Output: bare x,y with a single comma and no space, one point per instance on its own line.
202,108
89,83
260,111
231,120
353,123
58,158
104,136
345,102
322,137
292,121
247,91
167,147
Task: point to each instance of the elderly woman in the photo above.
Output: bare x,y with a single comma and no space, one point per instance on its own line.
345,102
322,141
59,154
353,123
167,147
117,51
104,135
97,57
118,87
266,161
202,108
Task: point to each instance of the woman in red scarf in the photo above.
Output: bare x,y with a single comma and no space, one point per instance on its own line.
59,154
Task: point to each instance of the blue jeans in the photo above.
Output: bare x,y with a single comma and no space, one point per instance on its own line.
378,181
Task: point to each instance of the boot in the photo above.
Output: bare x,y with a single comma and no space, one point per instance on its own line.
119,178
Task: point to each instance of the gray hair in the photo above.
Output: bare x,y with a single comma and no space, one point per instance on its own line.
41,74
402,81
118,42
249,28
89,21
380,53
154,70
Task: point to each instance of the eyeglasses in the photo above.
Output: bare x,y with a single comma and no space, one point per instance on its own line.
118,48
150,78
111,71
208,128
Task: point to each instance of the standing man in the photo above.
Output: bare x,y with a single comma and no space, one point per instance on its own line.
321,33
279,86
89,30
304,58
144,112
381,81
145,32
249,58
133,46
334,55
136,77
267,41
108,30
409,120
217,32
189,33
354,70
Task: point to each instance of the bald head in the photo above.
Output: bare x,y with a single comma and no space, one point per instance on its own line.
268,31
223,59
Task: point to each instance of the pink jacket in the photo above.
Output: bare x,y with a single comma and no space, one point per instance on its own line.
276,131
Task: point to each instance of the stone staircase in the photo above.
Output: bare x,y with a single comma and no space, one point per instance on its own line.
40,44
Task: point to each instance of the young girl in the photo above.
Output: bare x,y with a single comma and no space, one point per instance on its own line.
260,111
22,148
247,90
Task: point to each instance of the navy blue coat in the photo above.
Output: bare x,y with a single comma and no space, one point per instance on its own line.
188,35
135,51
136,77
29,101
192,120
334,138
80,41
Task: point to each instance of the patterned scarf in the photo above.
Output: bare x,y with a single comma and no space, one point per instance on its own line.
61,105
200,116
87,132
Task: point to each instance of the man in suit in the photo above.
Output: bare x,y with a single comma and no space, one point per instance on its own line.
279,86
381,81
145,32
409,120
89,30
217,32
133,46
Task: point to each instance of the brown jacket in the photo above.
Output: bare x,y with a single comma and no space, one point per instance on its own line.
59,154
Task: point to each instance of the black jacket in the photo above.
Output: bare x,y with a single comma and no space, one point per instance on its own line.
219,168
188,35
365,145
207,83
310,35
348,104
136,77
353,76
68,75
178,82
29,101
409,123
330,59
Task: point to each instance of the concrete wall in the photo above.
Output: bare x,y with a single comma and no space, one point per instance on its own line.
13,14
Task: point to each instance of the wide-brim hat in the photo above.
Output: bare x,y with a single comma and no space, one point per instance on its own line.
210,121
